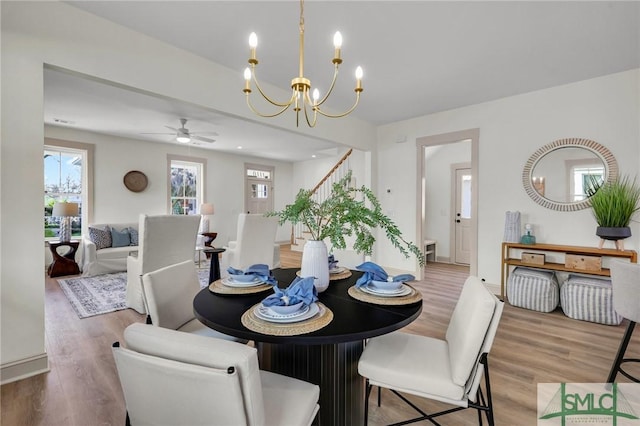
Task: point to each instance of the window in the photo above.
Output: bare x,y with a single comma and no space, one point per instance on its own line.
65,179
186,185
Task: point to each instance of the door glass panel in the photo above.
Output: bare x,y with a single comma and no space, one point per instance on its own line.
465,197
259,191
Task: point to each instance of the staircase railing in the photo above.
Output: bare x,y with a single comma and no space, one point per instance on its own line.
322,190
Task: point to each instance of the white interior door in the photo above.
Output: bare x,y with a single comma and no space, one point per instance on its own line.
462,217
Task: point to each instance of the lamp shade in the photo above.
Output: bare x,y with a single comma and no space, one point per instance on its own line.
65,209
206,209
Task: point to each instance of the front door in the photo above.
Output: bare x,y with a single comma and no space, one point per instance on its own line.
462,218
259,189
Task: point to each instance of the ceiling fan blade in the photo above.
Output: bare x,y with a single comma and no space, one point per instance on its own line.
155,133
172,128
205,133
202,139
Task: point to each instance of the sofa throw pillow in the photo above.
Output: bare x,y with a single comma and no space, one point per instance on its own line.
120,238
100,237
134,236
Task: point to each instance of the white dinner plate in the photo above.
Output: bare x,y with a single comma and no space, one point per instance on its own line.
337,270
230,282
402,291
267,314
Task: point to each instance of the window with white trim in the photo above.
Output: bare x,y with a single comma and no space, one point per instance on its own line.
65,179
186,186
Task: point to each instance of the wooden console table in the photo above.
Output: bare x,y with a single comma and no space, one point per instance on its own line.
508,260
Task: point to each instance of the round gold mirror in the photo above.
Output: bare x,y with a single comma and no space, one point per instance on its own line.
556,175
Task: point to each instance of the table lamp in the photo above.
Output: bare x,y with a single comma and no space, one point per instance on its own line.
206,209
65,211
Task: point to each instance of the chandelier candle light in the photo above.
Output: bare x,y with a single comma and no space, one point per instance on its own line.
301,86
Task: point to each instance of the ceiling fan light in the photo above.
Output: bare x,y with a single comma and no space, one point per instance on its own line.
183,138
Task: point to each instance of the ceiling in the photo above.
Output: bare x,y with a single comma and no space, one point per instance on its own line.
419,57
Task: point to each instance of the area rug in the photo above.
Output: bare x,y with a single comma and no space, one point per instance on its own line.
90,296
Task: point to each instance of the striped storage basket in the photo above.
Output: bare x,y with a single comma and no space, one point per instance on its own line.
589,299
533,289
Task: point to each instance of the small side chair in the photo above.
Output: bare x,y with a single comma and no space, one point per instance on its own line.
169,294
449,370
625,281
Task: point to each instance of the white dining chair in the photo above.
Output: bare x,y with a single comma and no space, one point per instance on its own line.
173,378
625,279
448,370
254,244
169,293
163,240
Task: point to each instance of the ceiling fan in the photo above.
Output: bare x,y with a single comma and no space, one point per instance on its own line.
183,135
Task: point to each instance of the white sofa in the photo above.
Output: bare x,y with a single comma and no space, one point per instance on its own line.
106,260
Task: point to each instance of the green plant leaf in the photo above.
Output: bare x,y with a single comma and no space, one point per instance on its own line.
347,211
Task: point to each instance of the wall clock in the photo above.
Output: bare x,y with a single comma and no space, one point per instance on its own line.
135,181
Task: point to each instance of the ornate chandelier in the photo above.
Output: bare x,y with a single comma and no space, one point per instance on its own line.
301,98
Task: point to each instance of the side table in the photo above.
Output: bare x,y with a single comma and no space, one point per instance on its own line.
65,263
214,269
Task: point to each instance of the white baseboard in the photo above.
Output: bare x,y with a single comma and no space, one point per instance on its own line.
18,370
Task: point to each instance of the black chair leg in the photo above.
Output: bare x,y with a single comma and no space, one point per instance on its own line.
379,395
621,350
367,393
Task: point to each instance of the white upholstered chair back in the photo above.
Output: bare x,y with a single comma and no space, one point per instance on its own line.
472,329
163,240
169,293
166,239
625,281
256,236
171,378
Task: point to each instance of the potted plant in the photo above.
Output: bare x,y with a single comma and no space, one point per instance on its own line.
613,205
347,211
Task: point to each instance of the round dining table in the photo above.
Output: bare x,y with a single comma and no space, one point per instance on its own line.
327,357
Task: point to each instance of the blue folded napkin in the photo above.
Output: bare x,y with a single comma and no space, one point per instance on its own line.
373,272
300,290
258,270
333,263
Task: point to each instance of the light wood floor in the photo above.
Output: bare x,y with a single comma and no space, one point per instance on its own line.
82,387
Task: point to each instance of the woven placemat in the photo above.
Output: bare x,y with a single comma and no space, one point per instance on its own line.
219,288
335,277
413,297
253,323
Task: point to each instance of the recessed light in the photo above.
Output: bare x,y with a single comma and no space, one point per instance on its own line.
313,156
239,147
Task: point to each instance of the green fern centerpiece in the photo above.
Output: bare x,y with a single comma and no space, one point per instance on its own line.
347,211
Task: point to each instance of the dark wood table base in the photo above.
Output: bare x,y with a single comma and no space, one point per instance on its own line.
63,264
333,367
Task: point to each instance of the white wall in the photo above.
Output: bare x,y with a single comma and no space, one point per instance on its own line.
224,174
54,33
605,109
